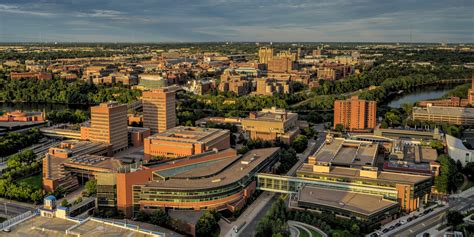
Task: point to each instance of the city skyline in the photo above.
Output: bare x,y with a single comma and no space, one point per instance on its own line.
229,20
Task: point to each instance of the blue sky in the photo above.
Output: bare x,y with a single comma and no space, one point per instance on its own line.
449,21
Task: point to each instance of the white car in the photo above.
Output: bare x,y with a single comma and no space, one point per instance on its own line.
403,222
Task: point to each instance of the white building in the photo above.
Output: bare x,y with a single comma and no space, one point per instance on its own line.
458,151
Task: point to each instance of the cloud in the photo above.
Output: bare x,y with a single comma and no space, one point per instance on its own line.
20,10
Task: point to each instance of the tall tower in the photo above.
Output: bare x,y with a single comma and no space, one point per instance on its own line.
159,109
265,54
109,125
470,93
354,114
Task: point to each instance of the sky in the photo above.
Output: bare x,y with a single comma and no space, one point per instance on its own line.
447,21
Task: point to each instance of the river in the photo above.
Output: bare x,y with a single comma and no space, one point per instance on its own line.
7,107
427,93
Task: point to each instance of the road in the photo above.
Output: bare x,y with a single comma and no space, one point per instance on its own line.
259,207
11,209
460,203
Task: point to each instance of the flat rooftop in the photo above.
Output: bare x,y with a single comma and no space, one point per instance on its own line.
354,173
203,173
273,114
365,204
190,134
347,152
447,111
43,226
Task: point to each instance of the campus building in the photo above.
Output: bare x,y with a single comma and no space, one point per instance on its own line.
159,109
268,86
220,180
185,141
108,125
74,162
354,114
265,54
272,125
439,114
349,168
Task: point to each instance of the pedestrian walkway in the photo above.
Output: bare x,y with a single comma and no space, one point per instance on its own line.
305,227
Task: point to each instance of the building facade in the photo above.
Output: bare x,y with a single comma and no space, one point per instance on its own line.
109,125
159,109
185,141
272,125
354,114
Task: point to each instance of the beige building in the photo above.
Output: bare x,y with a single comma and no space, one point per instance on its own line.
185,141
109,125
272,124
159,109
265,54
440,114
268,86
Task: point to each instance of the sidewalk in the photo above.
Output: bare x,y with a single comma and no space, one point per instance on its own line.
249,214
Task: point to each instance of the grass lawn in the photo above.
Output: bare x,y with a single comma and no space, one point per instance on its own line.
303,232
469,185
315,233
33,181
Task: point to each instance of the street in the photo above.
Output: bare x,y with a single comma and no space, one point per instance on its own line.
11,209
418,226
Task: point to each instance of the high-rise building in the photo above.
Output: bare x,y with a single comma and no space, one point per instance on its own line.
159,109
354,114
109,125
265,54
470,93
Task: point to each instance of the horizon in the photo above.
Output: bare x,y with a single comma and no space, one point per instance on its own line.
185,21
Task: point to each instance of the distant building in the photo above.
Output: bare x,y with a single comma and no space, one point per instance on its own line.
152,81
440,114
35,75
265,54
268,86
232,82
185,141
159,109
354,114
280,64
19,116
109,125
272,125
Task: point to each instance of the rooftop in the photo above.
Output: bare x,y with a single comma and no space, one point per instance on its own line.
347,152
44,226
354,173
448,111
272,114
209,171
189,134
365,204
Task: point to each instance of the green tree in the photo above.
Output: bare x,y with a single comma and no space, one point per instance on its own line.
91,187
160,217
300,143
207,224
454,218
392,118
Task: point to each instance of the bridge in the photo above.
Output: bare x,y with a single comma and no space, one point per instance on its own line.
292,185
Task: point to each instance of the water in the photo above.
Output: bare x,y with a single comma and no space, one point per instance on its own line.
7,107
412,97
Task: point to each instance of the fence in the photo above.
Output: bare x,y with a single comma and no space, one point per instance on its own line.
18,219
